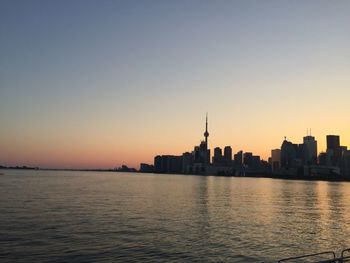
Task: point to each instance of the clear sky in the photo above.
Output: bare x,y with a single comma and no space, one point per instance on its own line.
104,83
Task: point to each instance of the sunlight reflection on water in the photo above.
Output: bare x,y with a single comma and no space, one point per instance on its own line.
87,216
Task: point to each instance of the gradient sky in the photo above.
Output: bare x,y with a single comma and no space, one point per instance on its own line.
104,83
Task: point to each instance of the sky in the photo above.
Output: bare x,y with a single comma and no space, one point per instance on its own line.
98,84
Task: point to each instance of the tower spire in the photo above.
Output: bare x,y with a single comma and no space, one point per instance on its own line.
206,133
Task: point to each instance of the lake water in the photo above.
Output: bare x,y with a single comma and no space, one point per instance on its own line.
54,216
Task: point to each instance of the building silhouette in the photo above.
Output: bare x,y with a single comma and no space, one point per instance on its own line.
333,149
256,162
288,154
238,159
201,153
345,164
217,158
146,168
195,162
310,150
290,160
187,162
168,164
323,159
248,159
275,159
206,133
228,155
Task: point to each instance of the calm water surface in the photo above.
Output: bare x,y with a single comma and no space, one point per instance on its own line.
48,216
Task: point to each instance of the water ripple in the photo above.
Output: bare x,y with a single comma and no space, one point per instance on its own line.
111,217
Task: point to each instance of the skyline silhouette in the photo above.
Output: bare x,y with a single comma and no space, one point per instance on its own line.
334,161
290,160
134,164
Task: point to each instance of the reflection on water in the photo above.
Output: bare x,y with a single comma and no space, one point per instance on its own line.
85,216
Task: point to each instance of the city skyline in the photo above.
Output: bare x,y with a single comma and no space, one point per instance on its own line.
174,131
98,85
309,136
290,160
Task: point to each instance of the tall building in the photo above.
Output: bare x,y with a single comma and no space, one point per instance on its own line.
217,158
333,149
275,159
310,150
333,141
238,158
248,159
228,155
288,154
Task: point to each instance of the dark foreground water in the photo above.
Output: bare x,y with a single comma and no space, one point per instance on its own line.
115,217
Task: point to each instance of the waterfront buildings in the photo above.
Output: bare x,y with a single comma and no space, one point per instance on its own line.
302,159
146,168
168,164
199,161
291,159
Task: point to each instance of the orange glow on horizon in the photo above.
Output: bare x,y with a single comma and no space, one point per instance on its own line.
102,154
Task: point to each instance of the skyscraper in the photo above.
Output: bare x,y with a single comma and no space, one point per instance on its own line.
333,149
288,154
238,157
228,155
217,158
275,159
310,150
333,142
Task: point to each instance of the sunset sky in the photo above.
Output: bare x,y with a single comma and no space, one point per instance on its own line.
88,84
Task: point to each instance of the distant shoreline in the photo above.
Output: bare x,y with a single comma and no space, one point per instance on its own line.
283,177
60,169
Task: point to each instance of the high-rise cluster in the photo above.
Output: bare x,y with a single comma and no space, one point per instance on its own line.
303,159
290,160
199,161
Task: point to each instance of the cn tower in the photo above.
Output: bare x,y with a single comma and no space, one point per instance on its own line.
206,133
